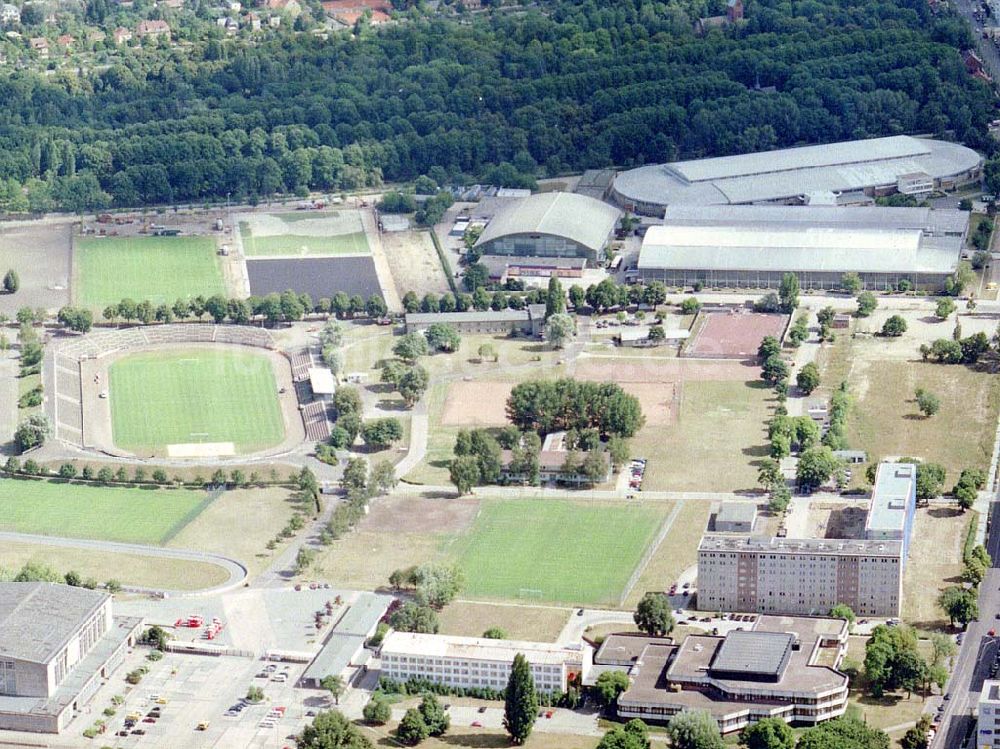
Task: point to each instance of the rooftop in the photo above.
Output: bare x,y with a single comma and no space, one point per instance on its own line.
497,264
38,619
753,653
584,220
321,380
736,512
348,635
622,649
477,648
429,318
990,691
794,172
892,495
794,249
840,547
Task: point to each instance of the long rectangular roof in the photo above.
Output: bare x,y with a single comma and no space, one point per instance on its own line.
931,221
584,220
773,544
753,653
477,648
769,249
38,619
895,484
786,159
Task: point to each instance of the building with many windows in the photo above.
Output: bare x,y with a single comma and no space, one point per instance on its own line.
471,662
893,504
552,224
778,667
57,643
799,576
988,722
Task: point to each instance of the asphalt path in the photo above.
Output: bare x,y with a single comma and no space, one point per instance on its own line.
986,50
976,656
237,571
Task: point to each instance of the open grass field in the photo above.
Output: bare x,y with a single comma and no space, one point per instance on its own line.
143,516
304,234
158,269
713,445
555,551
536,623
128,569
463,737
935,563
239,524
197,396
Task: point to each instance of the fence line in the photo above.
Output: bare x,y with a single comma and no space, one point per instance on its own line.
665,527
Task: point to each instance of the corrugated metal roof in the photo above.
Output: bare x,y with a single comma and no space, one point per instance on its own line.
758,653
577,217
38,619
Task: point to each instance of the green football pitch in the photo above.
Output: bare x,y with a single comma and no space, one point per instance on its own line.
555,550
158,269
144,516
194,396
301,245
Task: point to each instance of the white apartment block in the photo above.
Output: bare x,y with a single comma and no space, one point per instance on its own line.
473,662
988,727
804,577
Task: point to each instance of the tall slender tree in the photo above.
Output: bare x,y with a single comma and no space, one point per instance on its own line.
521,701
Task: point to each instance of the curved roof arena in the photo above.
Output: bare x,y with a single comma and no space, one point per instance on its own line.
584,220
790,172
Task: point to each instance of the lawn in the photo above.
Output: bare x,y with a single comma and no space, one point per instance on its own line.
295,244
555,550
715,442
160,399
145,516
935,563
464,737
158,269
129,569
535,623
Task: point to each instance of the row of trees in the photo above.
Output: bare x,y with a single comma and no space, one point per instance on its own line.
551,405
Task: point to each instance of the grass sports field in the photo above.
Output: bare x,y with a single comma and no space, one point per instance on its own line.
195,396
554,550
144,516
304,234
160,269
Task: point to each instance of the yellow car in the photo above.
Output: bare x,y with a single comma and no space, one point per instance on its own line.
162,701
203,726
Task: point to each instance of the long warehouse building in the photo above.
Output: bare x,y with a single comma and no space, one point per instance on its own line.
849,172
754,246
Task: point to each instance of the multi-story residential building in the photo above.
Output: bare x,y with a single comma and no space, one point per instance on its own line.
56,644
799,576
473,662
988,724
783,667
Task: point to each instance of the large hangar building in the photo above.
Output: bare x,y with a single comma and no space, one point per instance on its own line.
754,246
554,224
849,172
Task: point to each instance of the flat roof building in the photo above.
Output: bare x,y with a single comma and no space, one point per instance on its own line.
345,645
988,722
893,504
528,321
782,667
470,662
877,166
804,577
755,246
57,643
552,224
532,271
736,517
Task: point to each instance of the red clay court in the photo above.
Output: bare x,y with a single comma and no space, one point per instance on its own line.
734,334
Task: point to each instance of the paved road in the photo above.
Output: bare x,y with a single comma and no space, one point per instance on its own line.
984,47
976,654
237,571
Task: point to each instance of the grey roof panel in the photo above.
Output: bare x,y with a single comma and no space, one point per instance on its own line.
892,497
38,619
756,653
582,219
736,512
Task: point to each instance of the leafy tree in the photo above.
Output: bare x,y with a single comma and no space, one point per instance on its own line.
476,277
609,685
37,572
867,302
769,346
443,337
843,611
487,351
774,370
942,646
383,477
894,327
558,329
653,615
436,584
411,617
780,499
435,718
928,403
411,347
355,476
690,305
520,701
11,282
769,474
331,730
495,633
346,401
959,604
851,283
32,432
377,711
413,384
412,729
464,473
788,293
633,735
945,307
816,466
808,378
555,298
916,736
577,296
381,433
768,733
843,733
694,729
335,685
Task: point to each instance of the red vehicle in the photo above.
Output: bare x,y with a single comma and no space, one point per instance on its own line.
191,621
476,724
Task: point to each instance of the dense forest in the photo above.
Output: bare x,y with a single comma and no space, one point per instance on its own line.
501,96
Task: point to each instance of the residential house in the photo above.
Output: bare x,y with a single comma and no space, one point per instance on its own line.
121,35
10,15
153,28
40,45
556,465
